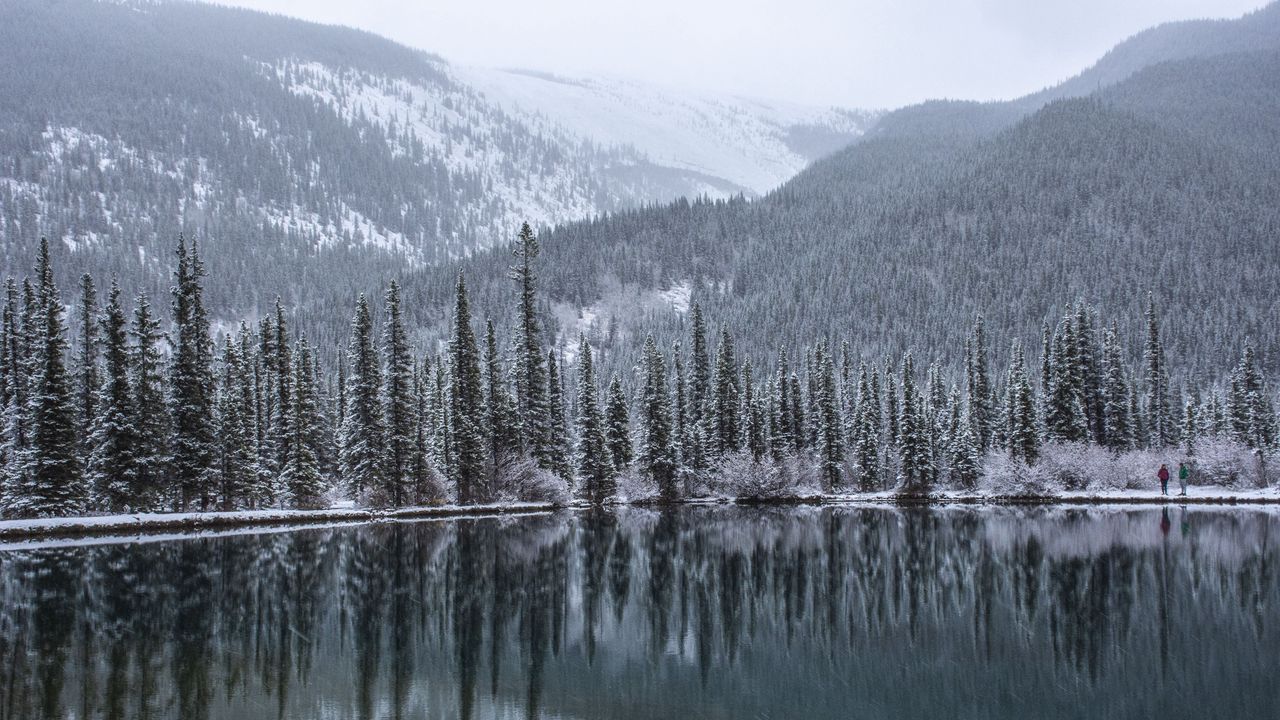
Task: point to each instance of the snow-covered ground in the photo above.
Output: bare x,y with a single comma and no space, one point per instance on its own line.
152,527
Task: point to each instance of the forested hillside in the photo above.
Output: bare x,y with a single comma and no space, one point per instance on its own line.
308,159
1164,182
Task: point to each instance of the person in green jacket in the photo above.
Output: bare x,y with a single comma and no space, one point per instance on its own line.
1184,472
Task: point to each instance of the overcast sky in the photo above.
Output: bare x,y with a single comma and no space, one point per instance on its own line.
861,53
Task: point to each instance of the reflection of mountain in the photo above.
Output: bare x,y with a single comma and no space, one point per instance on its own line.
698,613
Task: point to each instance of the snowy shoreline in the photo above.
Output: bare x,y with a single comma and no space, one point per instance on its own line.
124,528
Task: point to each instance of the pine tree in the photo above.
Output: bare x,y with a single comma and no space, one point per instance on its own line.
725,429
86,372
280,369
1024,430
236,453
531,385
1118,427
784,435
680,410
16,364
965,464
830,427
753,416
913,441
1160,423
111,474
980,392
867,449
54,484
301,477
657,453
397,401
363,431
150,413
595,466
1190,428
1065,419
558,428
617,422
700,382
425,476
503,423
191,383
466,404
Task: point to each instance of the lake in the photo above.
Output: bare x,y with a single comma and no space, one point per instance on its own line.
698,612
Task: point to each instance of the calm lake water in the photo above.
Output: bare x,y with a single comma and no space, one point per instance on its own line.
695,613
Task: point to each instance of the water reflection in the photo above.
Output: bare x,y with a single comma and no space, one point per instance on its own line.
699,612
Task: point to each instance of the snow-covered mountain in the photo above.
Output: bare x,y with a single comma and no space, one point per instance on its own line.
297,150
752,144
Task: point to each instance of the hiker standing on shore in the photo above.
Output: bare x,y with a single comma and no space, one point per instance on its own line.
1164,479
1184,473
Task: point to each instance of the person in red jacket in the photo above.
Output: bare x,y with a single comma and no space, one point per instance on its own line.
1164,479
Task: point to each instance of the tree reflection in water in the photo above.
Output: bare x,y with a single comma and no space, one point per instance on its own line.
695,612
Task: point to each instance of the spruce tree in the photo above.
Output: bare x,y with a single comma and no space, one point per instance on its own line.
236,453
756,428
1161,426
363,431
725,413
700,382
51,466
397,401
503,422
1117,424
1065,419
867,450
980,392
830,426
301,477
1024,430
913,441
86,369
191,385
531,385
657,453
965,463
466,404
150,413
280,369
556,424
680,410
784,435
17,322
617,430
595,466
112,441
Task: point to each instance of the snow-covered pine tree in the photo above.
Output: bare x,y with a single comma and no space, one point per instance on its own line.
363,432
466,404
280,368
700,382
754,416
503,422
191,387
1161,426
595,466
725,429
965,464
1024,429
87,381
867,450
913,439
530,375
110,474
1092,376
301,477
397,400
558,427
617,426
150,412
829,423
657,452
981,414
1117,425
1190,428
15,361
1064,416
236,454
679,410
54,485
784,439
798,421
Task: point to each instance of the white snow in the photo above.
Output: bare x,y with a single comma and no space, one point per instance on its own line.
740,140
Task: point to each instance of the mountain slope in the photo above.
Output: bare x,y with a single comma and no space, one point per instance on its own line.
1163,182
299,154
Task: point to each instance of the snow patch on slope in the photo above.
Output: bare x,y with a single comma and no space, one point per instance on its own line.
750,143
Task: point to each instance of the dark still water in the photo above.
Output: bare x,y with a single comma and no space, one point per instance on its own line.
695,613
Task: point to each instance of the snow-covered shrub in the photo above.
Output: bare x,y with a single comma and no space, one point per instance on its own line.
740,476
635,486
1219,461
1003,475
524,481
